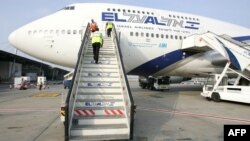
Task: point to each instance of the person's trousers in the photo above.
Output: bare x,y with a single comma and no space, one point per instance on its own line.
109,32
96,49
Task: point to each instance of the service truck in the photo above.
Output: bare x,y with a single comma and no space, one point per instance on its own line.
224,91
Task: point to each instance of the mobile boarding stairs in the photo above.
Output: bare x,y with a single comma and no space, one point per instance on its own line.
237,53
99,105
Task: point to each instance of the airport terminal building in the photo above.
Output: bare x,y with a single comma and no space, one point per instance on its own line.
12,65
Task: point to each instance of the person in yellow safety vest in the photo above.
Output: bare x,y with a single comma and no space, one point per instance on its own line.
97,42
109,26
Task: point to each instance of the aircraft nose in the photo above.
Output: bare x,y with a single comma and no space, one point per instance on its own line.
12,38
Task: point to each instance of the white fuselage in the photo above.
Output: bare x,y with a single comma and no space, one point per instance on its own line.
150,39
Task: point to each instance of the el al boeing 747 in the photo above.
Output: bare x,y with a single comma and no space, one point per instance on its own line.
150,39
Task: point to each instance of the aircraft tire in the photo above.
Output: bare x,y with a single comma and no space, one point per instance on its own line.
216,97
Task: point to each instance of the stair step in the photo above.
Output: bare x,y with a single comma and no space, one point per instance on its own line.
89,58
99,126
98,100
100,62
106,70
99,132
97,104
103,53
100,90
99,79
101,137
98,111
103,50
99,66
100,56
94,74
99,84
113,121
97,97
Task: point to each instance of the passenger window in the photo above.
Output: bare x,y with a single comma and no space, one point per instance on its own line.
166,36
51,32
138,12
176,37
114,9
128,11
74,31
57,31
180,37
173,16
148,13
136,34
152,13
152,35
124,10
142,34
147,34
119,10
80,31
34,32
69,31
131,33
72,7
143,12
63,31
162,36
108,9
157,35
29,32
170,16
178,17
171,36
133,11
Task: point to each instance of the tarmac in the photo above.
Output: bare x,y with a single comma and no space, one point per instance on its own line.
179,114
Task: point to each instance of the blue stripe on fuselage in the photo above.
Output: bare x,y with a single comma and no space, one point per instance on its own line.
242,38
159,63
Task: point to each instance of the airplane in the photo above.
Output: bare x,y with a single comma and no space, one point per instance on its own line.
150,39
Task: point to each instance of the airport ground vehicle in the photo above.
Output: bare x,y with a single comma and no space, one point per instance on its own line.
22,82
155,83
224,91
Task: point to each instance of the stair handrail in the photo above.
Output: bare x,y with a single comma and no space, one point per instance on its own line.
72,91
132,106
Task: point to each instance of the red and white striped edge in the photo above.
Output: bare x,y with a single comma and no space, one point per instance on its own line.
105,112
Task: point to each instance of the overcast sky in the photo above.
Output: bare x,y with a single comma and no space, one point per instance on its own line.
15,13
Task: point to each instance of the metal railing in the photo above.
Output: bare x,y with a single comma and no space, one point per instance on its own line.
128,99
71,97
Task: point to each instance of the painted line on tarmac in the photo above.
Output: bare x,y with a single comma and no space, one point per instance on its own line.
240,120
28,110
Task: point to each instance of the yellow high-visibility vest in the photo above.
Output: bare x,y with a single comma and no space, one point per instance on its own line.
97,38
109,25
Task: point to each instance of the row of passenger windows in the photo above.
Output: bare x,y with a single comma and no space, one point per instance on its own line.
153,35
152,13
129,11
54,32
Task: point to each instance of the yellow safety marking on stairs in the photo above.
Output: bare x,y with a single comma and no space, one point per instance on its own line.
48,94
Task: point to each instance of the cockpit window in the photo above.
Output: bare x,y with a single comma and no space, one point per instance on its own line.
69,8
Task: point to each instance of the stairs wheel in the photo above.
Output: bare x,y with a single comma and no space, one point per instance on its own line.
216,97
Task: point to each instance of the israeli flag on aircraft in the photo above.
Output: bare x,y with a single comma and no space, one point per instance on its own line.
192,25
